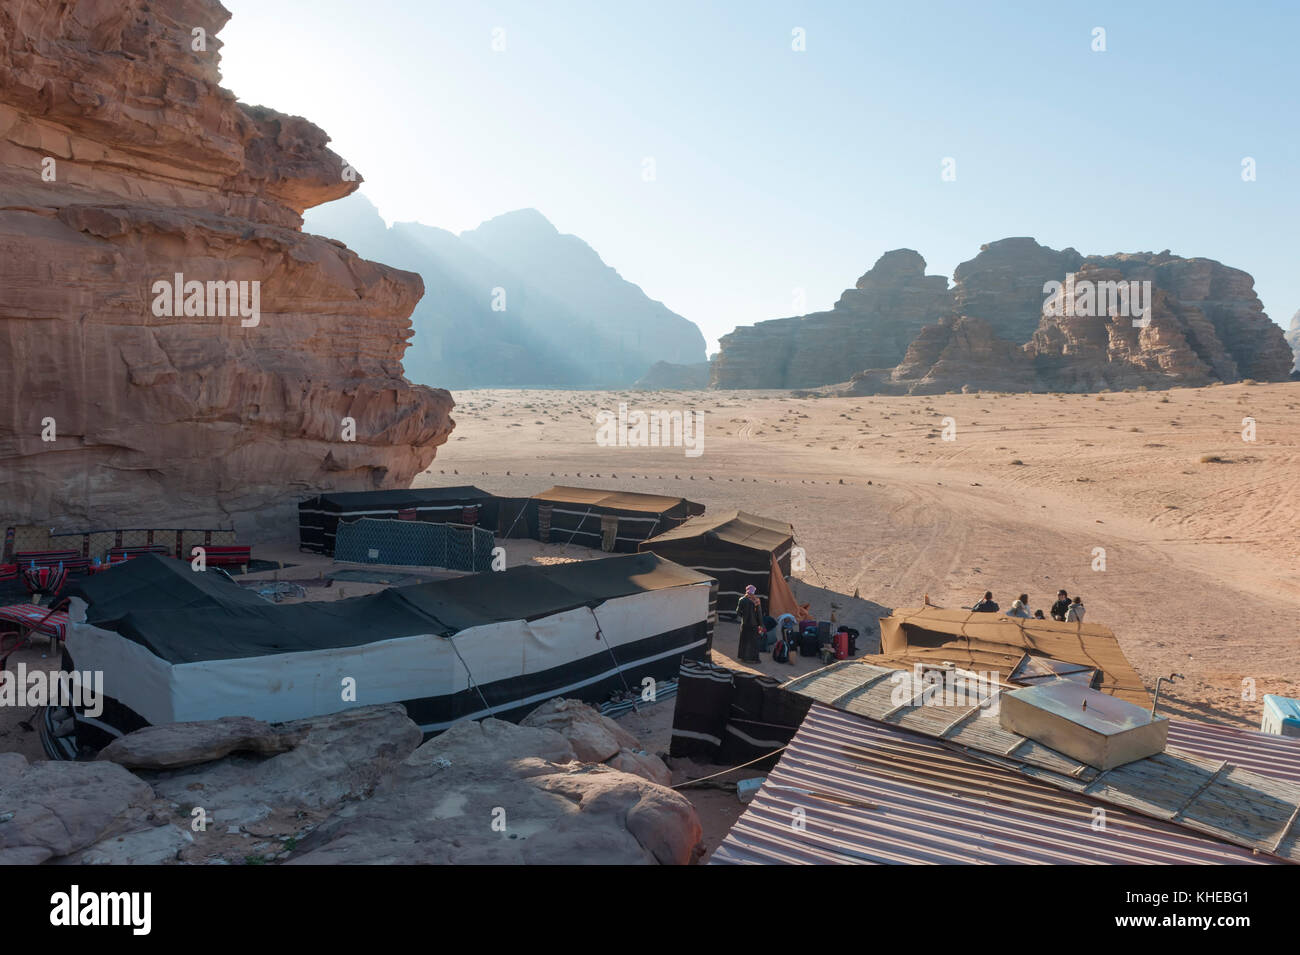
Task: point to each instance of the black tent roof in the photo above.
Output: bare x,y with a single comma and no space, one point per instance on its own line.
733,527
185,616
400,496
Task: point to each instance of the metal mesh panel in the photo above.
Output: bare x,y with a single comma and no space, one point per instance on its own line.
414,543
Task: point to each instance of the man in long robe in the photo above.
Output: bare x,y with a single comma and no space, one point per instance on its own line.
750,612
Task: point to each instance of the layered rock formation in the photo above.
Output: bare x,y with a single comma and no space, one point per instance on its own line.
869,327
125,170
958,354
1004,284
515,303
1207,325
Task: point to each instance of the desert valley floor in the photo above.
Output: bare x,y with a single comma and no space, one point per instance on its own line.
1200,528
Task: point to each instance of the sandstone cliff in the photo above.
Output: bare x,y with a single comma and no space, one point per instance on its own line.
958,354
124,164
1004,284
1207,325
869,327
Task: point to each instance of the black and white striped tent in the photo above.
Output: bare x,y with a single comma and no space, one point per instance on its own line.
174,645
733,547
320,516
609,520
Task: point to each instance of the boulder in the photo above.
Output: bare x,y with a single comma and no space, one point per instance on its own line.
172,745
154,846
60,808
645,765
593,736
493,792
338,757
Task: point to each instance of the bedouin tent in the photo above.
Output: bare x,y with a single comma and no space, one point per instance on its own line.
609,520
175,645
732,547
320,516
1020,651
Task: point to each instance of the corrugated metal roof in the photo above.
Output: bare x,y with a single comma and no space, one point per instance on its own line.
1215,795
1264,753
870,793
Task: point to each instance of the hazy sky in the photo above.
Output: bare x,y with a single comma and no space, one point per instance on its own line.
776,170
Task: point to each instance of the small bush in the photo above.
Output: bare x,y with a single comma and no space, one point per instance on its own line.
1212,459
1017,461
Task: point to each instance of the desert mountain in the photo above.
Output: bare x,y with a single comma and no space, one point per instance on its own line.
515,303
139,202
993,329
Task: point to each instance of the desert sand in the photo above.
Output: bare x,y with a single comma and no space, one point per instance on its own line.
1200,555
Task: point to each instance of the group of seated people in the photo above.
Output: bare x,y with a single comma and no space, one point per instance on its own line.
1066,608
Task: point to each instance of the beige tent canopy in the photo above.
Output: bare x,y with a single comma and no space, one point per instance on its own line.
1021,651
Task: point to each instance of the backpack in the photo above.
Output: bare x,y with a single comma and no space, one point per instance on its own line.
809,644
780,652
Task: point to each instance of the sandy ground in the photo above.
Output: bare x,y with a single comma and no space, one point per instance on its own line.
1200,557
1200,529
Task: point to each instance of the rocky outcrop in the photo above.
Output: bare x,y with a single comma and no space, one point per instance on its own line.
1004,284
495,793
596,738
665,376
173,745
51,809
125,170
338,757
961,354
869,327
1207,325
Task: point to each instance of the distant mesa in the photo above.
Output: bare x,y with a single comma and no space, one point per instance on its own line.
515,303
869,327
913,335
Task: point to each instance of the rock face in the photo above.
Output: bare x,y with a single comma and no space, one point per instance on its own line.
960,354
1004,284
123,165
515,303
869,327
1207,324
